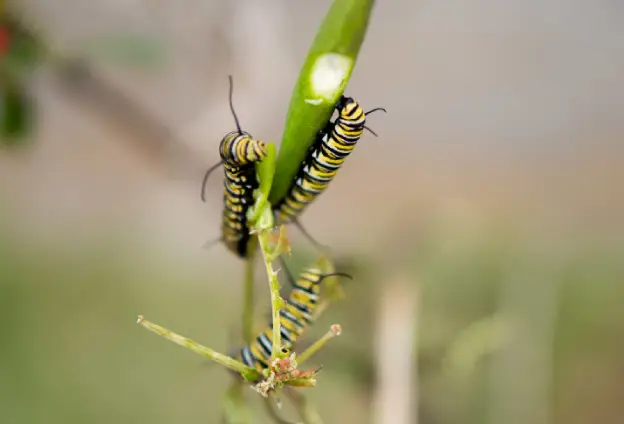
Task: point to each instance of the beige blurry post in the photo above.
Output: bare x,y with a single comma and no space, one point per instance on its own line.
396,395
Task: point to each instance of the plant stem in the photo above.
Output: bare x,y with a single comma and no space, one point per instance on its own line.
224,360
276,300
334,331
248,299
235,408
322,80
306,411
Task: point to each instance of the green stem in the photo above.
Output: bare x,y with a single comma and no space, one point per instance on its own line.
235,408
306,411
274,412
224,360
334,331
264,173
322,80
276,300
248,299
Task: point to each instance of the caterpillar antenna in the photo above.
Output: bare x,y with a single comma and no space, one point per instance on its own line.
370,131
291,279
208,172
336,274
371,111
211,243
238,127
375,110
316,244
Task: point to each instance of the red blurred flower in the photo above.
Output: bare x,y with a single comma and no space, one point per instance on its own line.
4,40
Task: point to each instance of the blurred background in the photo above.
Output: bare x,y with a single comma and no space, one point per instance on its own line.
484,226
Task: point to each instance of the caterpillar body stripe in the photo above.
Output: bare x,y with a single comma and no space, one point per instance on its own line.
240,153
296,316
239,148
324,159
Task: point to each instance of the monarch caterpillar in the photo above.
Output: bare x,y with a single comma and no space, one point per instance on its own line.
297,314
323,160
239,154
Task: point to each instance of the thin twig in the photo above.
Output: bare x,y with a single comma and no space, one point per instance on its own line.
276,300
248,299
334,331
224,360
304,407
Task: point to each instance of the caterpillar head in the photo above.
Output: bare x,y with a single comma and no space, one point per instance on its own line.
238,148
346,107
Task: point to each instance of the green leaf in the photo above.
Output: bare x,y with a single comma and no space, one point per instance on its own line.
16,115
24,50
265,171
321,82
24,53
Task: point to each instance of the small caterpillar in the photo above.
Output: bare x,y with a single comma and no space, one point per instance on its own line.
323,160
239,155
295,317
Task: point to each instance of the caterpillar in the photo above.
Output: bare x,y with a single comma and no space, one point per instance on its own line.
323,160
295,317
240,153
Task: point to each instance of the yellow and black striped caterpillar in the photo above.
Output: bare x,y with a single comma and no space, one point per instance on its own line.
239,154
298,313
323,160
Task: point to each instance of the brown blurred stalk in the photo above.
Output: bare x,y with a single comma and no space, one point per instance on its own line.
396,395
86,84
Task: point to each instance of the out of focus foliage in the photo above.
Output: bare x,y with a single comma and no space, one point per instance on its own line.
16,115
69,350
19,53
